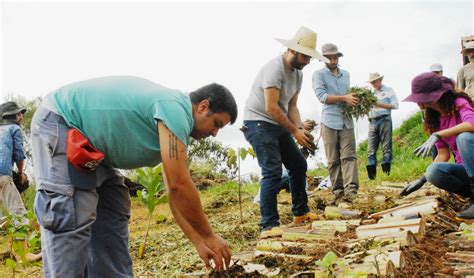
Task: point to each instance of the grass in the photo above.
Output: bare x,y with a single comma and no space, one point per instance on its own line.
405,165
169,253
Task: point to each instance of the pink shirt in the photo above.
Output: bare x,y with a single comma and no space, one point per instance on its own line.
464,113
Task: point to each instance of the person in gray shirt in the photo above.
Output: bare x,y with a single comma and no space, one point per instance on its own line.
271,120
466,73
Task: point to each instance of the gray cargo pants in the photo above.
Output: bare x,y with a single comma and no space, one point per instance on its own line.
84,220
340,148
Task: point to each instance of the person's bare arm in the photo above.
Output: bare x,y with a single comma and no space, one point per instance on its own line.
350,99
20,165
185,203
455,130
294,112
272,96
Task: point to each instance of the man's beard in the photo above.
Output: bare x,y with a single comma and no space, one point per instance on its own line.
471,58
295,64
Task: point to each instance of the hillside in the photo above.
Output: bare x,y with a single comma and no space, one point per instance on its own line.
405,167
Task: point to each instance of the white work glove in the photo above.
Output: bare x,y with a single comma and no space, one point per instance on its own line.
425,149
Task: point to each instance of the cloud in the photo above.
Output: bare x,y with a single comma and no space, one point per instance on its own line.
186,45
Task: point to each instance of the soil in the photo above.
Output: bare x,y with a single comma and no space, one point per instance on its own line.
169,253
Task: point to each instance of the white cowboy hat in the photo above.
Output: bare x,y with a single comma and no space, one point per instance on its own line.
469,45
304,41
374,76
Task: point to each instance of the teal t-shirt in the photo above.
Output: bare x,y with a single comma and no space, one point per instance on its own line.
119,115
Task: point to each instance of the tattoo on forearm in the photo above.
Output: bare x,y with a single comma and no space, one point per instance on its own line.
173,148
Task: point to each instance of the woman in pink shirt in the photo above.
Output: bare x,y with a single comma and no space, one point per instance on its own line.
449,118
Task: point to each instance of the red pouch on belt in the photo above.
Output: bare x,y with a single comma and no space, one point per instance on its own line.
80,153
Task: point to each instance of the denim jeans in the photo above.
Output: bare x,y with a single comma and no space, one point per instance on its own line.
84,230
455,177
380,132
274,146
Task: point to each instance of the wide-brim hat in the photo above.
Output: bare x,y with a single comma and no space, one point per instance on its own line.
469,45
330,49
304,41
374,76
428,87
11,108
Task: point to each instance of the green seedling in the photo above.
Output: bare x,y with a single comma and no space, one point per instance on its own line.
151,196
233,162
328,263
467,230
22,238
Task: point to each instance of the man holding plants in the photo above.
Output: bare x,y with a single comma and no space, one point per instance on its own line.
271,120
82,133
330,85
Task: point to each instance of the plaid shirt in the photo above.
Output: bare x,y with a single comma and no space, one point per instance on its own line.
11,148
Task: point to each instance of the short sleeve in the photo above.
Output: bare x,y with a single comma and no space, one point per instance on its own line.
176,116
271,77
466,112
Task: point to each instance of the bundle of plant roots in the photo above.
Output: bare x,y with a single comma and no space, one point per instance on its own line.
367,101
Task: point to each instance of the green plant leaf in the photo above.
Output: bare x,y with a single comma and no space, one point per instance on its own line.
243,153
251,152
10,263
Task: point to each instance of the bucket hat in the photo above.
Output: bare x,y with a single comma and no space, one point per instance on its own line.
11,108
304,41
374,76
428,87
330,49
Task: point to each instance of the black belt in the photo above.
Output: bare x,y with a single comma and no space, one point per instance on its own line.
378,118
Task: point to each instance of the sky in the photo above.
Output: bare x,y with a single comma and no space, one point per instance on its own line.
185,45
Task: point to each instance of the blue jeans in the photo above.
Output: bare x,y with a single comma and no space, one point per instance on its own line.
455,177
380,132
274,146
84,229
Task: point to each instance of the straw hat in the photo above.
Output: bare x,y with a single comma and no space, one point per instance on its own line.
304,41
469,45
374,76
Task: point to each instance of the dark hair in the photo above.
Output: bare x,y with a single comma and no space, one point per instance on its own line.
219,97
446,103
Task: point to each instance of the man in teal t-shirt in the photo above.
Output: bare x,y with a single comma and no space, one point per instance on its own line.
135,123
